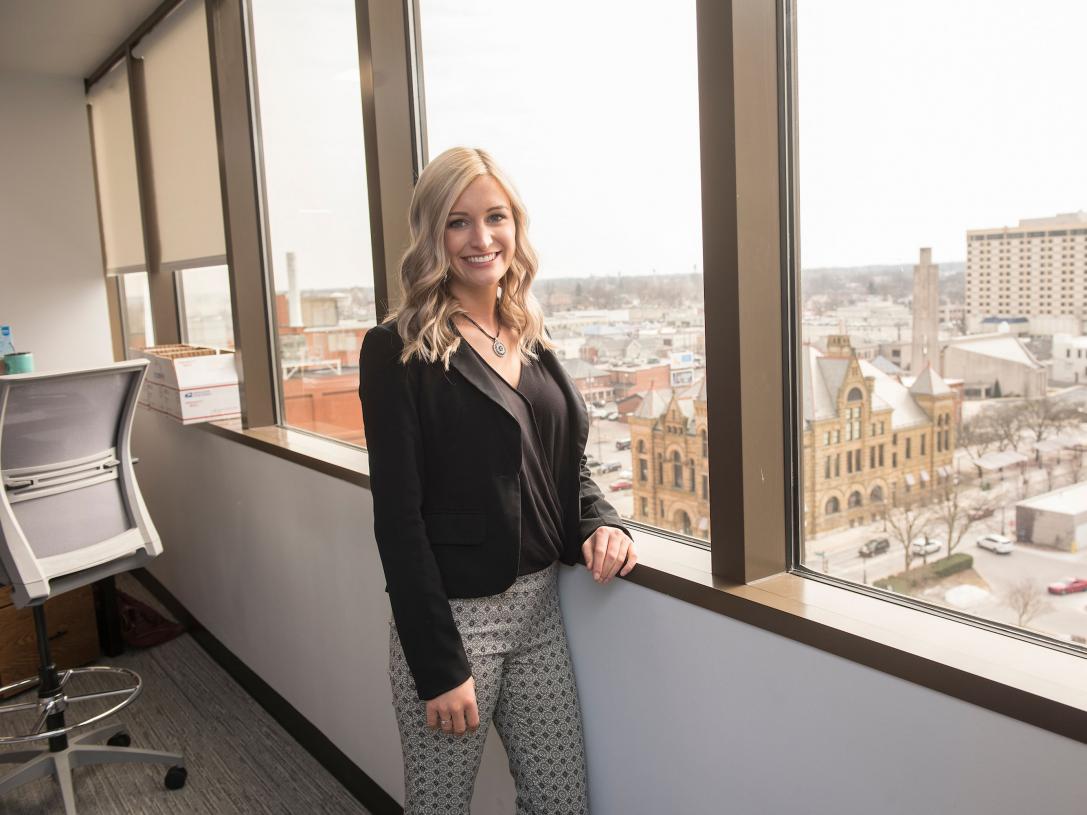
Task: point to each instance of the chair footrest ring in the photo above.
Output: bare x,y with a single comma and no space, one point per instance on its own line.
60,702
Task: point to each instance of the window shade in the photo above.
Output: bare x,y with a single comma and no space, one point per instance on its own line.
115,166
181,132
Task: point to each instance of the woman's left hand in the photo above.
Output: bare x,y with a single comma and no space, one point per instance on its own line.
607,551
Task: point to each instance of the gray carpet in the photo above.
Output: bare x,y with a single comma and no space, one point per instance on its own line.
239,759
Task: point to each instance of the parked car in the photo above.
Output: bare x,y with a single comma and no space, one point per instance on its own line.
612,415
610,467
875,546
622,444
620,484
599,403
924,546
996,543
980,512
626,474
592,461
1068,585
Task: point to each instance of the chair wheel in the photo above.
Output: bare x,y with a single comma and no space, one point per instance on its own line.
175,778
119,740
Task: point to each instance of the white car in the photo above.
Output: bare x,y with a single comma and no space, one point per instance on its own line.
996,543
924,546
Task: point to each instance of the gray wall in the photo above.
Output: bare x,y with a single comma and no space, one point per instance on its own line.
685,710
52,292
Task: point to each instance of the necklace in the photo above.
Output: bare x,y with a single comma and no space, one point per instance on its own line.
497,344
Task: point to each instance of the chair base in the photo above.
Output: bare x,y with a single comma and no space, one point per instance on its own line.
85,749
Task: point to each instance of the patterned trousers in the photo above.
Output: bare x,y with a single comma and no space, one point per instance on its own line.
517,649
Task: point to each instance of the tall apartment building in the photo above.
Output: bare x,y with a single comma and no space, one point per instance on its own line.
1036,270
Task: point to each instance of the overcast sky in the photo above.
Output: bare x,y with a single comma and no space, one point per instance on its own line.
917,121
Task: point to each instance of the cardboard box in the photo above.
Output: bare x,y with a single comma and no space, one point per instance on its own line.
191,383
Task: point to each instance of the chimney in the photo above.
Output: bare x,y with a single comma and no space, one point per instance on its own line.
294,296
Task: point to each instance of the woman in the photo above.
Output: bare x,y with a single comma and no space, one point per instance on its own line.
476,439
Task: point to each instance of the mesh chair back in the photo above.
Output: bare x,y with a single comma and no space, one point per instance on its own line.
70,509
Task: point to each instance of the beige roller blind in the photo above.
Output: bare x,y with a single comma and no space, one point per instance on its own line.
115,168
181,134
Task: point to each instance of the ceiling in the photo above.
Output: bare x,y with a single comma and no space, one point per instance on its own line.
65,37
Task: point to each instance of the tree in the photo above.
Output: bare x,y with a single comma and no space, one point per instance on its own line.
957,516
1046,415
1007,423
1027,599
977,437
906,522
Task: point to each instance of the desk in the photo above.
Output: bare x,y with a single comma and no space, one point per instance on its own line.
82,625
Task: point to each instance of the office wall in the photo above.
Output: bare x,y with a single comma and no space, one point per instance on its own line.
52,292
685,711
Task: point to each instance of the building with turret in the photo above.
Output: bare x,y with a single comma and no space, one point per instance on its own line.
869,441
670,459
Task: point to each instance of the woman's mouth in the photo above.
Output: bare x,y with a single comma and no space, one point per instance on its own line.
481,260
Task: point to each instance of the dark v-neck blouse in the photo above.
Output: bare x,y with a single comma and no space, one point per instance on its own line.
540,408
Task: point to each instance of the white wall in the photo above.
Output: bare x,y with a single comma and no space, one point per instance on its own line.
52,291
685,711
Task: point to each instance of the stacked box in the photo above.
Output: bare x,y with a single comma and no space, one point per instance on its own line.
191,383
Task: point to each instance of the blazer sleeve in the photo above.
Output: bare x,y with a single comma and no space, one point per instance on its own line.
424,620
596,510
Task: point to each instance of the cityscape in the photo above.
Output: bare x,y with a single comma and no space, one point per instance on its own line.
944,452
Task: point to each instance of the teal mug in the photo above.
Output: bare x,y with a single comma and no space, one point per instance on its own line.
21,362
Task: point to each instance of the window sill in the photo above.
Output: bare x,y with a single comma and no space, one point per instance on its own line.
1041,686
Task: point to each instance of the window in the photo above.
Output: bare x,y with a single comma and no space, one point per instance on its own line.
530,56
318,215
136,321
835,140
204,306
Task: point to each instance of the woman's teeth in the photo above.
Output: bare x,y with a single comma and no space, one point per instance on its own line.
482,258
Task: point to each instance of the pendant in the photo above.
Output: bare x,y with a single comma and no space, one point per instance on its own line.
499,347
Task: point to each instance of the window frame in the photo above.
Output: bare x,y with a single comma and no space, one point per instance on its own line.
754,568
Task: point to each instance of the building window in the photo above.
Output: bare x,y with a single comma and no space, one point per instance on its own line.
909,439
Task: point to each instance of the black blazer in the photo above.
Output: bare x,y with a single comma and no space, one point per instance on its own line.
445,458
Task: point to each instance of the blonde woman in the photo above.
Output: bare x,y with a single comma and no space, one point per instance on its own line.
476,437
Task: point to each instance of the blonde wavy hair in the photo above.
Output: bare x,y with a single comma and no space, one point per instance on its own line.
424,317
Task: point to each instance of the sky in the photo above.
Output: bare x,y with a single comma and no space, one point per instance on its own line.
917,121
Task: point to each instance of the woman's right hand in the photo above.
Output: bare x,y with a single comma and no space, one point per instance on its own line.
455,711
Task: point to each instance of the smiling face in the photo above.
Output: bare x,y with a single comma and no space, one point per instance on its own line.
480,234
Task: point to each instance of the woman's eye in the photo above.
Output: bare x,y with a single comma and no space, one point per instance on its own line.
457,224
497,217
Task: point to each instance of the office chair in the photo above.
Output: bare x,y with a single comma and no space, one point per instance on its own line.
71,513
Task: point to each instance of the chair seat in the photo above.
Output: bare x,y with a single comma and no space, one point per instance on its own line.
127,543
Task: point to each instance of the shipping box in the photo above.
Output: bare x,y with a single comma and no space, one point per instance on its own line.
191,383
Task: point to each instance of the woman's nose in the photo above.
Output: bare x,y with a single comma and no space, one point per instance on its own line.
481,236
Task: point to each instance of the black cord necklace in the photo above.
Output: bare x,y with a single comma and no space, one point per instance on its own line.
497,344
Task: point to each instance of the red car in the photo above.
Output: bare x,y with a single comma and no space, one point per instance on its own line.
620,484
1068,585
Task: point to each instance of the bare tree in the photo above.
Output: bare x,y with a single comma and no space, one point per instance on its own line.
906,522
1046,416
1027,599
957,516
977,437
1008,422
